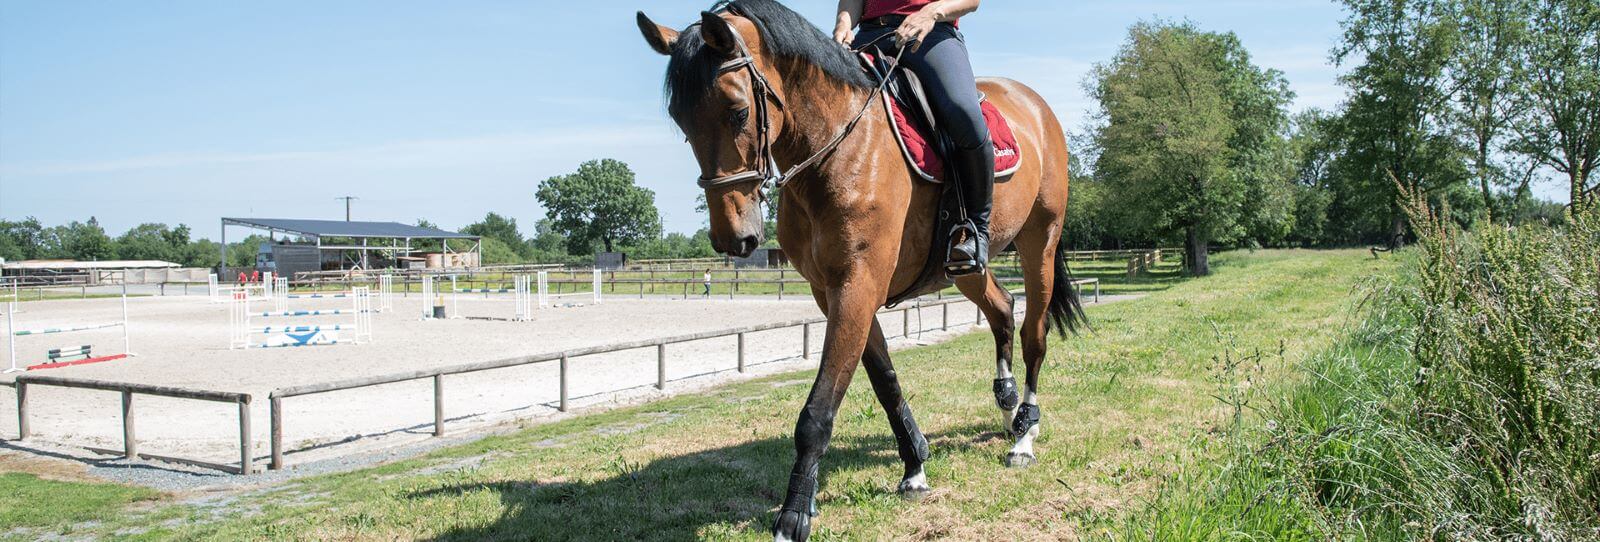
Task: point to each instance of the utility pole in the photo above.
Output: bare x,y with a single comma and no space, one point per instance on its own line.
347,205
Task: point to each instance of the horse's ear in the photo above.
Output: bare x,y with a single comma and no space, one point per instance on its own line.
660,37
718,34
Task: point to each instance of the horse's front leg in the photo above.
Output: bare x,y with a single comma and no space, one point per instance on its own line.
850,318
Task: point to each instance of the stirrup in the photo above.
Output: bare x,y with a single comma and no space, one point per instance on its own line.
969,264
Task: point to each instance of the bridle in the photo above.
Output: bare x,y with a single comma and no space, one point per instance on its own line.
766,167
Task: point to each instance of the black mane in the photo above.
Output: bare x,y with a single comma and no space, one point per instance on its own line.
786,34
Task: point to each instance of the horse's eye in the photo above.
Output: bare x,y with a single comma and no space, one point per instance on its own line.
738,118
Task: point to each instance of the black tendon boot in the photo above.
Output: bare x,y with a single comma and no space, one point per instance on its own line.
969,240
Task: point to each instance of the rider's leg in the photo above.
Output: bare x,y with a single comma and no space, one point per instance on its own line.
946,72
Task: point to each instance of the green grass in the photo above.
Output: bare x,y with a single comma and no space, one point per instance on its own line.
1124,408
30,502
1462,406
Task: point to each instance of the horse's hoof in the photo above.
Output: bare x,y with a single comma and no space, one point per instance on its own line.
791,527
1017,460
914,488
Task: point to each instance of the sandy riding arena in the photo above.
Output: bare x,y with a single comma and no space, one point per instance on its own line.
183,342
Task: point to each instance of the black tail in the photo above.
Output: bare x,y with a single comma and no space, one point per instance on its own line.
1066,309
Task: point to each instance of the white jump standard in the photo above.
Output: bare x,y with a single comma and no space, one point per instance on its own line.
385,293
52,362
241,332
521,297
544,289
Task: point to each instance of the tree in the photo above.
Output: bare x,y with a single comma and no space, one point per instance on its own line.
1313,151
1562,94
1187,133
82,241
21,240
154,242
1484,74
1394,128
503,230
600,203
1262,158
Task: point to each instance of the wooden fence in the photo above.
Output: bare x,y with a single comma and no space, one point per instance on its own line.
563,358
130,443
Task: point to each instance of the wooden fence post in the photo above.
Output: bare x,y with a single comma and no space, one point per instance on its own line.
22,410
130,448
246,466
562,406
741,351
275,426
438,405
944,316
805,341
661,366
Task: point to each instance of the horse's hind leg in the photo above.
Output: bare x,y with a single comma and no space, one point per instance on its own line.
997,306
886,385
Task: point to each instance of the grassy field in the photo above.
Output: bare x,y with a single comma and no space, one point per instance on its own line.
1154,388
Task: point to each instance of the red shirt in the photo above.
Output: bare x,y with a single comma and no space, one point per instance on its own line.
879,8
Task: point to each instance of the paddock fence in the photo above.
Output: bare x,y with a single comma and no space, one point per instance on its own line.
130,442
277,397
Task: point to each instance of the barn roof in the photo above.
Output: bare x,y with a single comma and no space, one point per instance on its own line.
341,228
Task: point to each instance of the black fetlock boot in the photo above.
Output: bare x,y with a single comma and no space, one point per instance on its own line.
969,241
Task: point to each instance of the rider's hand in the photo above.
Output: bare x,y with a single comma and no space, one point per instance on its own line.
844,34
915,28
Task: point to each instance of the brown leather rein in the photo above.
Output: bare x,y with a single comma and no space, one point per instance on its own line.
766,167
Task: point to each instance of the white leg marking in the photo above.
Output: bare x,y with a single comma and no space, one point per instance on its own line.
1002,369
780,537
917,482
1024,445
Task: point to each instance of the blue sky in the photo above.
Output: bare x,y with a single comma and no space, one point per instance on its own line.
186,111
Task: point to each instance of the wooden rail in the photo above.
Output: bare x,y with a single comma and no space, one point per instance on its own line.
563,358
130,444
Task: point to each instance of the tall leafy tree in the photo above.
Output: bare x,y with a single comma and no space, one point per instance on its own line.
154,242
600,203
1313,151
83,241
1261,157
22,239
1562,58
503,230
1485,73
1189,139
1395,128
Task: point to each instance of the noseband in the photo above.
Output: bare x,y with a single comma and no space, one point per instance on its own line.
766,167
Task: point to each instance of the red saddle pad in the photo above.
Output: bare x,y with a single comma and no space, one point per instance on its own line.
926,162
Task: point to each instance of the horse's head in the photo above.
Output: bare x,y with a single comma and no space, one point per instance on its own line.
725,95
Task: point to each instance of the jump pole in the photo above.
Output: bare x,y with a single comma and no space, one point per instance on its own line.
12,334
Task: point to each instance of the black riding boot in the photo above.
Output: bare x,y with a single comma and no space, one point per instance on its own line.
969,241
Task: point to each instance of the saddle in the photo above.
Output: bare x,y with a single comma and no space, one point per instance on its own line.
925,148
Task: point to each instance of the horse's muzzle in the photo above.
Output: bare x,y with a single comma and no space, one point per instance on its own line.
738,247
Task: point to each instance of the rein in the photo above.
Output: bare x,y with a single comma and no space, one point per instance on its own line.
766,169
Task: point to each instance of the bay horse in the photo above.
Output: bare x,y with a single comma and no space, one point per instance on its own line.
754,85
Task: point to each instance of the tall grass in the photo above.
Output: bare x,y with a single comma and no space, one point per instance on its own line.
1465,405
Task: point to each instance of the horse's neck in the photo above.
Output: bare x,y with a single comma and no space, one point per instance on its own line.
816,109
